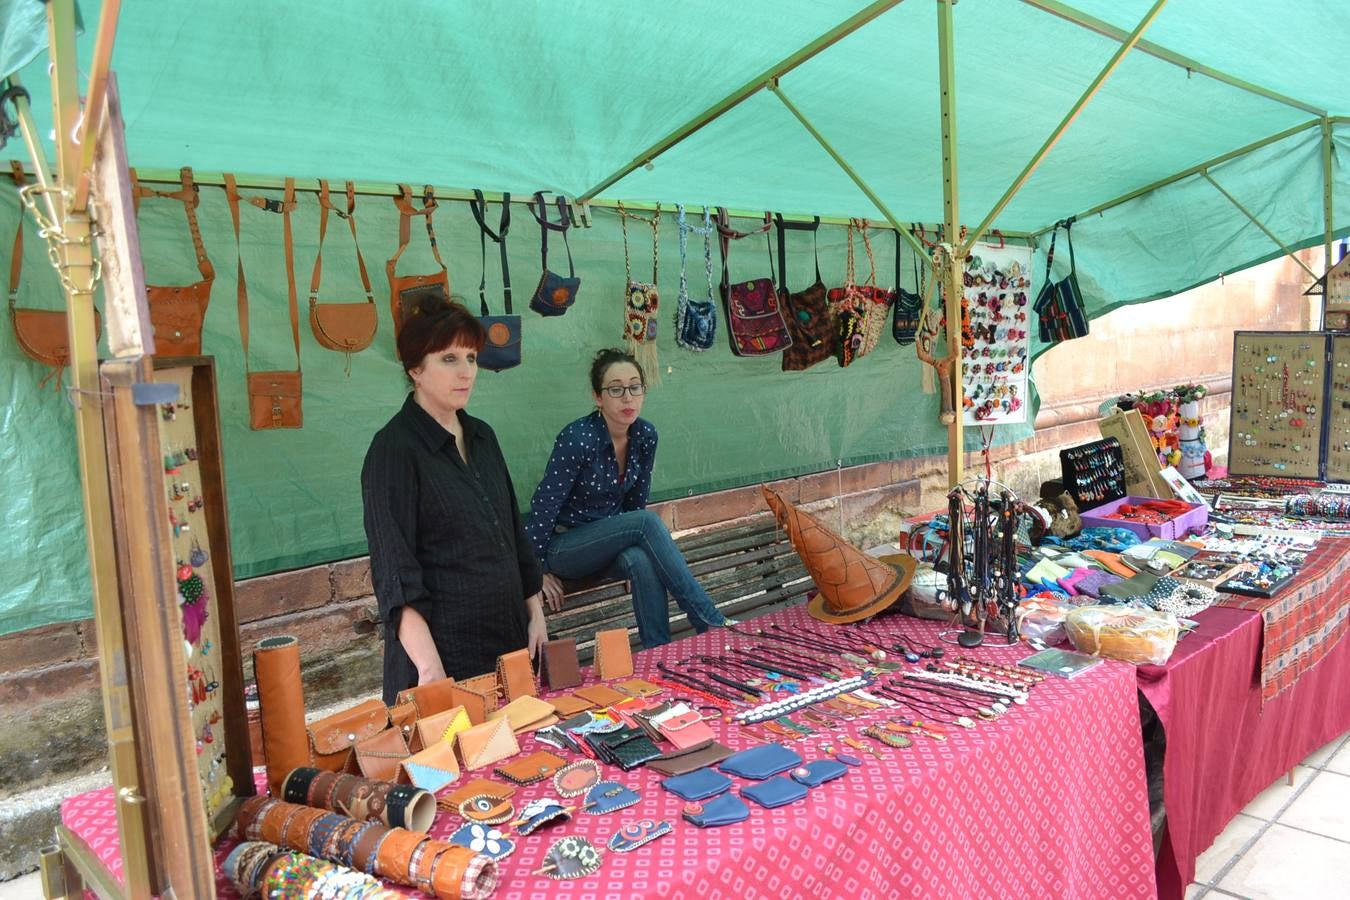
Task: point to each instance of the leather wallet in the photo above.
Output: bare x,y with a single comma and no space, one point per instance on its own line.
609,796
431,769
476,786
515,675
331,739
429,699
681,762
560,667
686,730
528,769
402,717
818,771
761,762
626,748
613,654
724,810
483,745
440,728
779,791
569,705
600,695
697,785
644,719
478,696
636,687
379,756
526,714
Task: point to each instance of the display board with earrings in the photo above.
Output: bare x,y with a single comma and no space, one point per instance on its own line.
1281,392
194,491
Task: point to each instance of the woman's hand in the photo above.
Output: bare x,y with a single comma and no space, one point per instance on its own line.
537,630
553,591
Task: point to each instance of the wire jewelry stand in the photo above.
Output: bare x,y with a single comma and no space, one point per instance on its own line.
983,517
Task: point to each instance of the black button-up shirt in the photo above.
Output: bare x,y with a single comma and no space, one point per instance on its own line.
445,538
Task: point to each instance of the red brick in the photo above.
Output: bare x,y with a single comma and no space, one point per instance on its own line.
318,630
41,646
35,686
351,579
88,638
277,595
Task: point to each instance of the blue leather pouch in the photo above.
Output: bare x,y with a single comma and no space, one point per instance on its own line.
724,810
761,762
697,785
778,791
818,771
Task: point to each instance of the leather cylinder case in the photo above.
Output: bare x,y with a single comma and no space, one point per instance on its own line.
774,792
515,675
276,664
560,667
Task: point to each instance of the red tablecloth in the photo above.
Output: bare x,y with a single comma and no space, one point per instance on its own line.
1048,801
1223,747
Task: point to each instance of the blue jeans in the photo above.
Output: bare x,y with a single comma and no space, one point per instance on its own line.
636,546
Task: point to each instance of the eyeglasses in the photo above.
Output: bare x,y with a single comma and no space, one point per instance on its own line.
633,390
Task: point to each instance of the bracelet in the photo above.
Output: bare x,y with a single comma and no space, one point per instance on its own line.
295,789
320,832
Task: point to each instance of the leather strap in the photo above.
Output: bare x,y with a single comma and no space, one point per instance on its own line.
914,259
545,226
284,207
406,210
783,228
478,206
187,195
325,204
16,260
726,234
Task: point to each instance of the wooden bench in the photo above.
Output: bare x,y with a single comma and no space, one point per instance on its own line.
743,567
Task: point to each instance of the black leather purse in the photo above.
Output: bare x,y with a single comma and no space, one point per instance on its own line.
502,350
554,295
908,304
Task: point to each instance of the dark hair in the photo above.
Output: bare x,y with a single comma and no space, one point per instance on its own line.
608,357
433,322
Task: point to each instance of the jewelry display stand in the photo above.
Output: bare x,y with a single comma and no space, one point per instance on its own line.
1281,394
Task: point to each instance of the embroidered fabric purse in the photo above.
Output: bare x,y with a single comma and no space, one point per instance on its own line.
642,299
695,320
274,396
1059,305
860,310
755,323
554,295
809,321
502,350
908,305
404,289
345,327
177,312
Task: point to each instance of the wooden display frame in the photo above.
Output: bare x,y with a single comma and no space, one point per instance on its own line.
1279,377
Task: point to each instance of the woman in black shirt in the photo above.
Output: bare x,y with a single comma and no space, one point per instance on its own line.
456,580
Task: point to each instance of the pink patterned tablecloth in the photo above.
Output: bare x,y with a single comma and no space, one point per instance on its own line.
1048,801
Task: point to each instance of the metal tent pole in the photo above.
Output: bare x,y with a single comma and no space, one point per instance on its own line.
954,260
1259,224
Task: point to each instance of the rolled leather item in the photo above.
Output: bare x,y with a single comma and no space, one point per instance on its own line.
460,874
276,666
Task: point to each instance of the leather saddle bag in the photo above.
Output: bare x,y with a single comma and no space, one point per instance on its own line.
177,312
404,289
554,295
345,327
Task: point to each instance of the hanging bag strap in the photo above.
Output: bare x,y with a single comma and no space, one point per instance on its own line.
188,195
406,210
1068,239
914,260
655,222
726,234
478,206
783,227
16,260
284,208
545,226
871,259
1050,254
707,231
326,204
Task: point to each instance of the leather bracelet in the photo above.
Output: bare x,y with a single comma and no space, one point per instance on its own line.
448,879
415,861
292,811
295,834
350,852
272,821
365,845
250,811
375,803
295,789
319,788
343,841
323,829
395,854
399,798
423,873
342,794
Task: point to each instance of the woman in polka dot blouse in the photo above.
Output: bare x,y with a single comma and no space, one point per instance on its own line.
589,514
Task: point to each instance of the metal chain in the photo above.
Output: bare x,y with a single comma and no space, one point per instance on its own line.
55,238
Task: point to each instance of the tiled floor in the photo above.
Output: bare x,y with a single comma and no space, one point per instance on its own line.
1290,843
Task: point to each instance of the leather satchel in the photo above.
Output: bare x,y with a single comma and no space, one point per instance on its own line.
559,666
807,313
378,757
331,739
429,699
345,327
554,295
755,323
502,350
274,396
483,745
178,311
405,290
515,675
613,654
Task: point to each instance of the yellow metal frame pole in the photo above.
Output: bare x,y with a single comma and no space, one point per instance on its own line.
1259,224
94,107
954,261
1328,212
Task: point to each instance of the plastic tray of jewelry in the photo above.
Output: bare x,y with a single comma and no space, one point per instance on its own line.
1253,584
1094,473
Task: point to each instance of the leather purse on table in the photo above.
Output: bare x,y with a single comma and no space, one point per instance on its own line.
483,745
379,757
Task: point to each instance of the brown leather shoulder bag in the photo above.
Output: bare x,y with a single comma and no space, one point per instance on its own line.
404,289
345,327
177,312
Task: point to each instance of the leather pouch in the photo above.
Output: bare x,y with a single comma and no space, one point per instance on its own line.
761,762
331,739
600,695
569,705
681,762
403,716
644,719
686,730
483,745
477,786
775,792
528,769
636,687
178,311
345,327
515,676
440,728
406,290
501,351
429,699
818,771
526,714
697,785
559,667
724,810
478,696
378,757
274,400
554,295
430,769
613,654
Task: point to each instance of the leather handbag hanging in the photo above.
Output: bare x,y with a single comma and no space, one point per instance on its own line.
502,350
406,289
908,305
554,295
695,320
642,300
177,312
807,312
273,396
755,323
42,333
345,327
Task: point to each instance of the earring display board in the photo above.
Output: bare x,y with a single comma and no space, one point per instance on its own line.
1280,395
1336,297
996,339
194,489
1338,411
